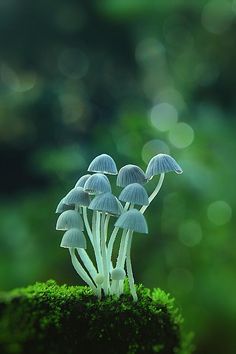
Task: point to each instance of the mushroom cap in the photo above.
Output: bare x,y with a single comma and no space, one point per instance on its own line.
69,219
73,238
97,183
162,163
118,274
107,203
133,220
104,164
62,206
130,174
99,279
81,181
134,193
77,196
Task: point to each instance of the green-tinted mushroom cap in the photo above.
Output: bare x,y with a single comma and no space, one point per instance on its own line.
118,274
69,219
134,193
62,207
97,183
104,164
133,220
73,238
162,163
107,203
77,196
130,174
81,181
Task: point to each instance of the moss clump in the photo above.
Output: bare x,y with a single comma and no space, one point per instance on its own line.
51,319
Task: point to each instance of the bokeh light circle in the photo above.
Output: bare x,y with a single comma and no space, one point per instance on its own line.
181,135
154,147
219,212
190,233
163,116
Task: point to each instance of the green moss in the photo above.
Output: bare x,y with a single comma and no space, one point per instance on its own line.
51,319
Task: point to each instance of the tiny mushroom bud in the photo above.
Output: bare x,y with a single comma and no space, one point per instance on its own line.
81,181
73,238
104,164
77,196
69,219
97,183
118,274
134,193
162,163
62,206
132,220
99,279
106,203
130,174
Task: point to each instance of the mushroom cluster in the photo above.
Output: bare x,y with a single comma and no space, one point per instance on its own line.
86,213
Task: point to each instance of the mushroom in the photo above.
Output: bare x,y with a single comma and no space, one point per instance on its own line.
77,197
130,174
97,183
160,164
69,219
62,206
104,164
117,275
134,193
131,221
81,181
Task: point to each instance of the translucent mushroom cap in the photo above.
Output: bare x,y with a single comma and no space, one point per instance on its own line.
104,164
69,219
118,274
62,206
81,181
77,196
134,193
73,238
133,220
162,163
130,174
97,183
107,203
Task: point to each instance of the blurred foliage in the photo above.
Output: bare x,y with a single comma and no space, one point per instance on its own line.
132,78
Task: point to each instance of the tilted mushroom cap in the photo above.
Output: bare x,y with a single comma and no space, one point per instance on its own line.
97,183
118,274
134,193
130,174
133,220
107,203
62,207
73,238
77,196
162,163
69,219
81,181
104,164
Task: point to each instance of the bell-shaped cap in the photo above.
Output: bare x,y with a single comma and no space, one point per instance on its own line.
77,196
81,181
134,193
69,219
73,238
104,164
97,183
133,220
106,203
130,174
118,274
62,206
162,163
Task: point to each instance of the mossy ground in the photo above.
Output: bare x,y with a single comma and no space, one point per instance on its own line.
51,319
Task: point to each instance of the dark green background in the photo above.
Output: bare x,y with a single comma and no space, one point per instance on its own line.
80,78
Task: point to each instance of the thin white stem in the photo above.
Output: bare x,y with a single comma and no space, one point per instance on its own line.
87,263
126,207
106,226
104,255
79,269
154,193
86,223
129,269
95,241
110,246
115,283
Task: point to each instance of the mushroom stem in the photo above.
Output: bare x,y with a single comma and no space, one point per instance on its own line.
104,255
115,283
95,228
87,263
129,268
154,193
79,269
86,223
110,246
